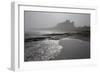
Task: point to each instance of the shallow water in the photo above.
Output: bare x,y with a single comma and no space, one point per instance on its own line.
74,49
60,49
42,50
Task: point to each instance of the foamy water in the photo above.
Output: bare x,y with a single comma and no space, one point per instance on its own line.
65,48
42,50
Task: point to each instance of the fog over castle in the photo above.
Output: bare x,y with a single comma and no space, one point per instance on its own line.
66,25
58,21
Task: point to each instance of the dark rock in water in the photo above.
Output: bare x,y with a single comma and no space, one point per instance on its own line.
58,36
30,39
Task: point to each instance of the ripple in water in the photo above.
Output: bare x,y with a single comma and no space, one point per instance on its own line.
42,50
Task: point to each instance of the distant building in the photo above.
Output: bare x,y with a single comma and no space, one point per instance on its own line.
65,26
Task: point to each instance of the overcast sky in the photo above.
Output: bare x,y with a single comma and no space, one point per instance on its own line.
47,19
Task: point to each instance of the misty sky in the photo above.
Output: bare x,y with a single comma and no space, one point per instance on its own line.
47,19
